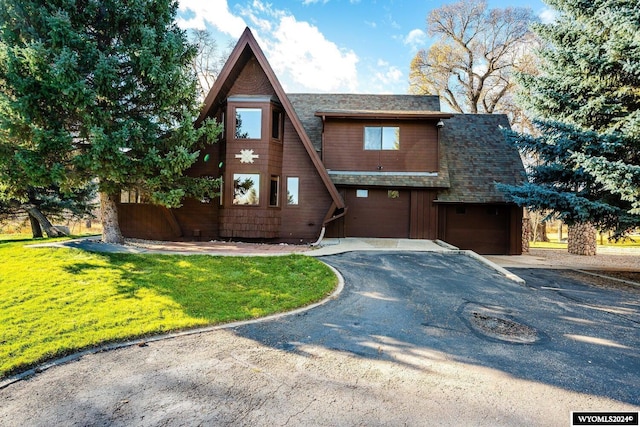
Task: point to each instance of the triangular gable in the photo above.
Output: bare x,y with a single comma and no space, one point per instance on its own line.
247,45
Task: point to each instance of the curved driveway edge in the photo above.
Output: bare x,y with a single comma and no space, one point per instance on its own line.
142,341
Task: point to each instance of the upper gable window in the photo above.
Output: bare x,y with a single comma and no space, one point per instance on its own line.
381,138
248,123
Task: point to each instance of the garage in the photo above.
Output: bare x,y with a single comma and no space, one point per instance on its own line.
377,212
484,229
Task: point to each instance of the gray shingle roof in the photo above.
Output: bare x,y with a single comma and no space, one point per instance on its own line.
474,154
478,156
307,104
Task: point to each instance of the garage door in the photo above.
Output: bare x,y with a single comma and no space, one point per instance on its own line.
377,213
480,228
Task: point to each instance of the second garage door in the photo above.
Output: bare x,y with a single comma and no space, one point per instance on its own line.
377,213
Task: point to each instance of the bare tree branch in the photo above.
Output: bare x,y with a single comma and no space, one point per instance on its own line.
472,63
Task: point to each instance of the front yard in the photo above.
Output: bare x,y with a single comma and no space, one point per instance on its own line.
56,301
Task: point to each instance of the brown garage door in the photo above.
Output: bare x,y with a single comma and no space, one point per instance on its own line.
480,228
377,213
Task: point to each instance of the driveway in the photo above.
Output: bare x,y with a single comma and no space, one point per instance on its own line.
414,339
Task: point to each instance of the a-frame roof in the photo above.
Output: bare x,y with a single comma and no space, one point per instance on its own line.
246,48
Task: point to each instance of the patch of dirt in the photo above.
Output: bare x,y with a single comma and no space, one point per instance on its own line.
606,279
633,276
617,259
503,329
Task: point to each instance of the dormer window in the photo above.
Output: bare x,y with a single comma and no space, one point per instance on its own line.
381,138
248,123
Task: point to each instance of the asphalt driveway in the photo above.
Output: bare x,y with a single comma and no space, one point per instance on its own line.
414,339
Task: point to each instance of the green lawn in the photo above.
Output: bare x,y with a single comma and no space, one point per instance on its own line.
55,301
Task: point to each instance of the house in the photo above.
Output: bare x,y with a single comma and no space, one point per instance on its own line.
300,167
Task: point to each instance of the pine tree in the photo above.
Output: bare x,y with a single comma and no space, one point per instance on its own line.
100,90
585,101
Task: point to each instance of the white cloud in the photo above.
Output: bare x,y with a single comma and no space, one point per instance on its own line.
214,12
305,60
301,56
387,75
416,39
548,15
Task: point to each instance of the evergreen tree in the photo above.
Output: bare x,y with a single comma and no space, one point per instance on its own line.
585,101
100,90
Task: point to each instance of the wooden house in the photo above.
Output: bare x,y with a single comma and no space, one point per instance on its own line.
300,167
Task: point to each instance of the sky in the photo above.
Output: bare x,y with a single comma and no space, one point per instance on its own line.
332,46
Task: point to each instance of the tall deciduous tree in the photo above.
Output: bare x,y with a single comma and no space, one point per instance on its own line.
101,90
208,61
471,64
586,101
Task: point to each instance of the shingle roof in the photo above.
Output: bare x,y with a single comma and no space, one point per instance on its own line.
474,154
307,104
478,156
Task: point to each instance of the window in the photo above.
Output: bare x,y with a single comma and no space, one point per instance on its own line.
293,186
134,195
274,190
461,210
246,189
276,124
248,123
362,193
381,138
393,194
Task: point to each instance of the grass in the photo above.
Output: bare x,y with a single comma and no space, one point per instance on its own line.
55,301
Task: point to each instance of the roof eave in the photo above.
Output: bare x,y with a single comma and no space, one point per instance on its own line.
389,115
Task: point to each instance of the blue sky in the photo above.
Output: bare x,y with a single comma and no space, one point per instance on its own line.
354,46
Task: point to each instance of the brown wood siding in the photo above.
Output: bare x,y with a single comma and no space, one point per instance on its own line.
252,81
193,221
304,221
343,147
144,221
249,222
424,215
377,215
198,221
485,229
515,231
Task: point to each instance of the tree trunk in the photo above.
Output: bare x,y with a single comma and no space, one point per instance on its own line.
582,239
109,216
527,234
49,229
541,234
36,230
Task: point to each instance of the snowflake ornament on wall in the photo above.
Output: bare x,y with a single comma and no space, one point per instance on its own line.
247,156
